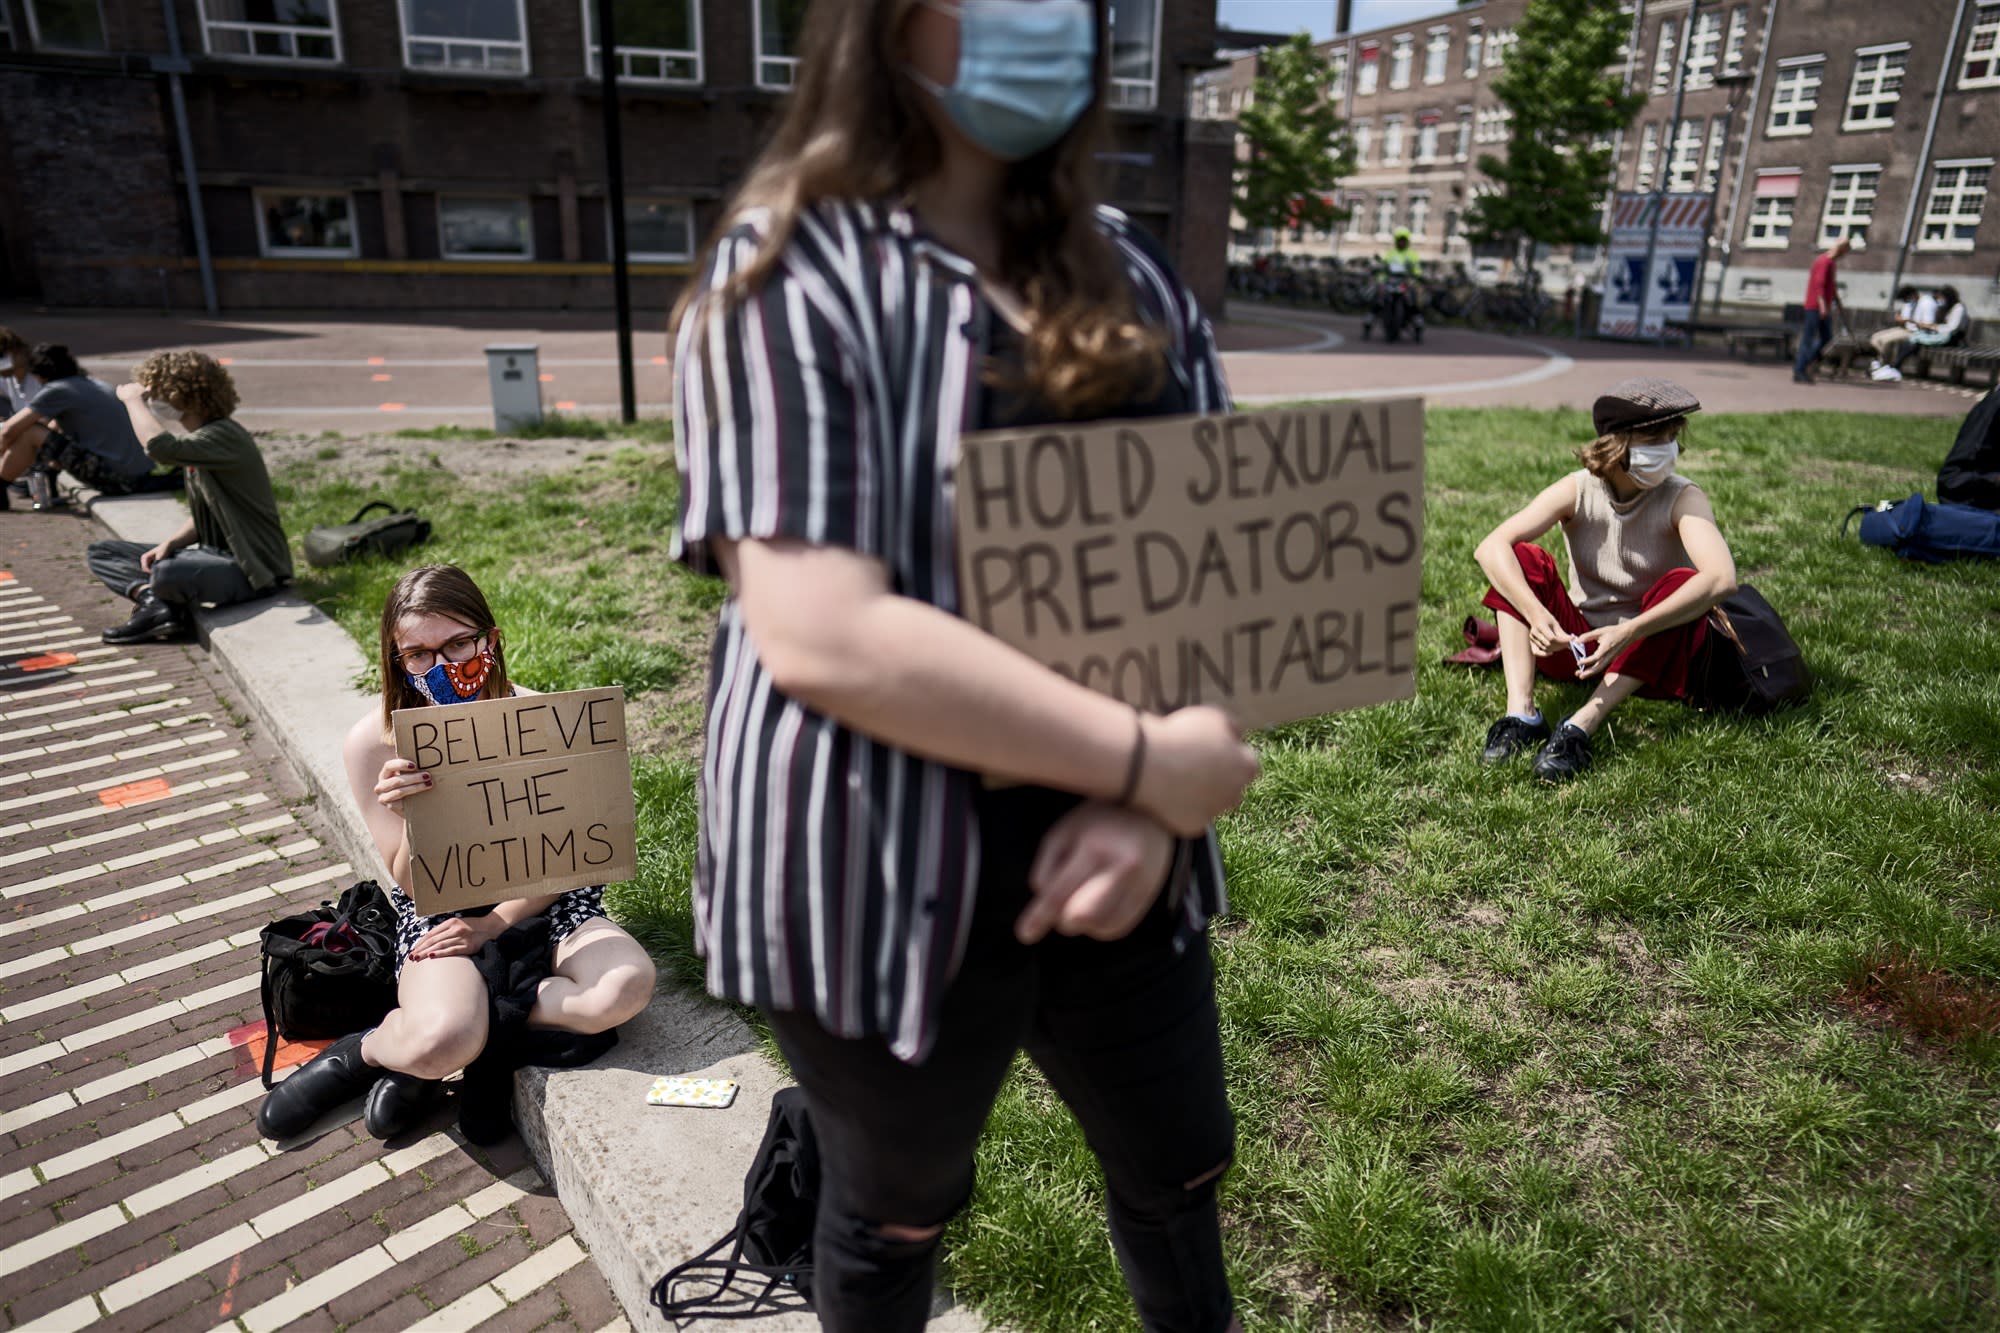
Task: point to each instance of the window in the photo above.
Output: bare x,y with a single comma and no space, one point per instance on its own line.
778,24
1796,96
1685,162
1982,53
1878,83
1135,47
1427,138
1463,152
1753,289
1663,58
1392,141
1364,139
1711,159
1436,52
659,231
1385,212
1336,75
1704,50
1419,214
1371,69
477,227
291,224
1357,215
1649,153
1958,196
1454,223
271,29
1475,39
1400,55
659,41
1771,210
1498,47
465,36
1739,27
1850,202
66,25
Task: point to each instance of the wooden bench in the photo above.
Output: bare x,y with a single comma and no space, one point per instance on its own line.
1782,339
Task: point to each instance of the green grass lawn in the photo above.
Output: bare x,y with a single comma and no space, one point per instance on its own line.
1640,1052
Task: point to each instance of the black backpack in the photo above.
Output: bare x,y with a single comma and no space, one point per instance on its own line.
1750,662
330,971
395,531
772,1238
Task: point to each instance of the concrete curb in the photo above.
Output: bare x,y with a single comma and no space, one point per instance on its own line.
645,1187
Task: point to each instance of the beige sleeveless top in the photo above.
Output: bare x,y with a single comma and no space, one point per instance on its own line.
1620,548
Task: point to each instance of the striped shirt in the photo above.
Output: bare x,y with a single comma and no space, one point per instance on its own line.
834,872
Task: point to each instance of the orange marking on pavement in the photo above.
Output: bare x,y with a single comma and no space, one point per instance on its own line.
659,360
378,361
5,576
547,378
47,662
381,379
565,407
225,361
249,1043
392,407
229,1287
135,793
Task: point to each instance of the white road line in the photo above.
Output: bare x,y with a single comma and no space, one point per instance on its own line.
96,986
148,1131
43,710
115,715
117,780
281,888
19,605
110,866
116,757
119,1027
70,1099
106,737
139,892
490,1298
100,810
78,842
73,686
108,939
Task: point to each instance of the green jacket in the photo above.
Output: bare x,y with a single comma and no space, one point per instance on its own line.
229,494
1411,265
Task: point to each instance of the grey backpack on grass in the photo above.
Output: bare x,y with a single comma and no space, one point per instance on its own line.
336,544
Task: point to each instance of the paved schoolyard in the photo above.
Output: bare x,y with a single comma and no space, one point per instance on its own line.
146,834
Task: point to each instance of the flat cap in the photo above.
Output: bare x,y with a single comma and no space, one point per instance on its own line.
1638,403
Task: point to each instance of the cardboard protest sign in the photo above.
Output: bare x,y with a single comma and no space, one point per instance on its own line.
1267,562
533,795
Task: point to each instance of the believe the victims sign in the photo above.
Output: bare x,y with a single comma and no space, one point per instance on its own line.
1267,562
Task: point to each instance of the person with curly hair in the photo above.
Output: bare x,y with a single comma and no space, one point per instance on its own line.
232,547
72,425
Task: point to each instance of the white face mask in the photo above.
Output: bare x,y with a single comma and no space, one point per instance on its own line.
163,409
1650,464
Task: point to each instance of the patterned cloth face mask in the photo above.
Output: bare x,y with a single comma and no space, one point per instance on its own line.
455,682
1025,72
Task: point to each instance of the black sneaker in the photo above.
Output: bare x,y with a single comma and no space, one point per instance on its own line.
1566,755
154,621
1511,735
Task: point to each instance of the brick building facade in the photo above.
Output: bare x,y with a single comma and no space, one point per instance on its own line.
1838,117
389,154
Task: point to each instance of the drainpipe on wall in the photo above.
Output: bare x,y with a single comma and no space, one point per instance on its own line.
175,65
1743,154
1924,154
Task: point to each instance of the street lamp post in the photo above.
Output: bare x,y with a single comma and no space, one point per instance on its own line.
1735,83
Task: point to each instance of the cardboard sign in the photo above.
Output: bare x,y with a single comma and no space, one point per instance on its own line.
533,796
1267,562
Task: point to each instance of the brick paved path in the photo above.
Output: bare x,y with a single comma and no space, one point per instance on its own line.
147,833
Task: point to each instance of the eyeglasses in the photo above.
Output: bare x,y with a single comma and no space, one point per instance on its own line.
417,661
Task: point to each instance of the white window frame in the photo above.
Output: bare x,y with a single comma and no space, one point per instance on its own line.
1803,76
1711,157
592,50
1666,51
1357,214
1364,141
1336,76
758,60
1437,52
1427,141
1385,210
1684,159
1986,24
1499,44
1402,60
1392,140
1732,50
1704,53
293,31
649,256
1475,42
1462,150
1874,62
480,258
486,47
1649,155
1761,232
1956,217
1417,213
269,250
36,43
1368,79
1142,94
1842,180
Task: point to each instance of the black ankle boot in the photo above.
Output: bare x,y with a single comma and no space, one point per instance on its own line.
398,1102
335,1075
153,620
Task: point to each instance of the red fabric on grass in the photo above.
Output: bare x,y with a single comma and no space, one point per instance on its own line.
1661,660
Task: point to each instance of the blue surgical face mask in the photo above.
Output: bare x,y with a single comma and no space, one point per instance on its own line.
1025,72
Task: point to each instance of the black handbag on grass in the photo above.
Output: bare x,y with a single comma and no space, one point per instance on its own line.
394,531
1750,661
329,971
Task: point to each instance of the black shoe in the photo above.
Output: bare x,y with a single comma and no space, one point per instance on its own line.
1511,735
335,1075
1566,755
398,1102
154,620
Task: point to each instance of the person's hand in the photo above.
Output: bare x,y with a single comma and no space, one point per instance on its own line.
1196,767
147,559
460,937
1605,644
1098,872
399,780
130,392
1545,632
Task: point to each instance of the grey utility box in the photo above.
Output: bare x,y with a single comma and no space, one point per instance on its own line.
514,370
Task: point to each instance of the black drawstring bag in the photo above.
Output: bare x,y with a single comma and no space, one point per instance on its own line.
1750,661
330,971
772,1238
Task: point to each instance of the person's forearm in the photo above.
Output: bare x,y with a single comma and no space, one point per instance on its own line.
144,424
1690,601
1503,571
516,910
182,539
929,683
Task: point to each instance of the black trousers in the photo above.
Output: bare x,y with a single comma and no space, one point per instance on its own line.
190,577
1126,1032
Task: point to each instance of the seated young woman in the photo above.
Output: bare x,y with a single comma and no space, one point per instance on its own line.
1646,562
440,646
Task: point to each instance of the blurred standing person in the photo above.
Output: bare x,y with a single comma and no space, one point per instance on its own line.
1822,309
919,253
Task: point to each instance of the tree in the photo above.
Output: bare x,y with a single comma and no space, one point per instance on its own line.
1562,87
1299,149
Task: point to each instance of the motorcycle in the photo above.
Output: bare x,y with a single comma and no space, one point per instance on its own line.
1396,308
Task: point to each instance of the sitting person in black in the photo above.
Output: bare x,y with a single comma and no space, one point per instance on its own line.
1971,471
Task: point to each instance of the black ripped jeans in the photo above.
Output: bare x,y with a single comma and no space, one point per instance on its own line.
1126,1031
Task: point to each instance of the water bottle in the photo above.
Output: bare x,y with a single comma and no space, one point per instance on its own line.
40,493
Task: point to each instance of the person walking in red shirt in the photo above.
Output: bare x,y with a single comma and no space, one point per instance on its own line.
1822,304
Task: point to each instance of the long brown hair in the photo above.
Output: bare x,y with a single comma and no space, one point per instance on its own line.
440,590
854,129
